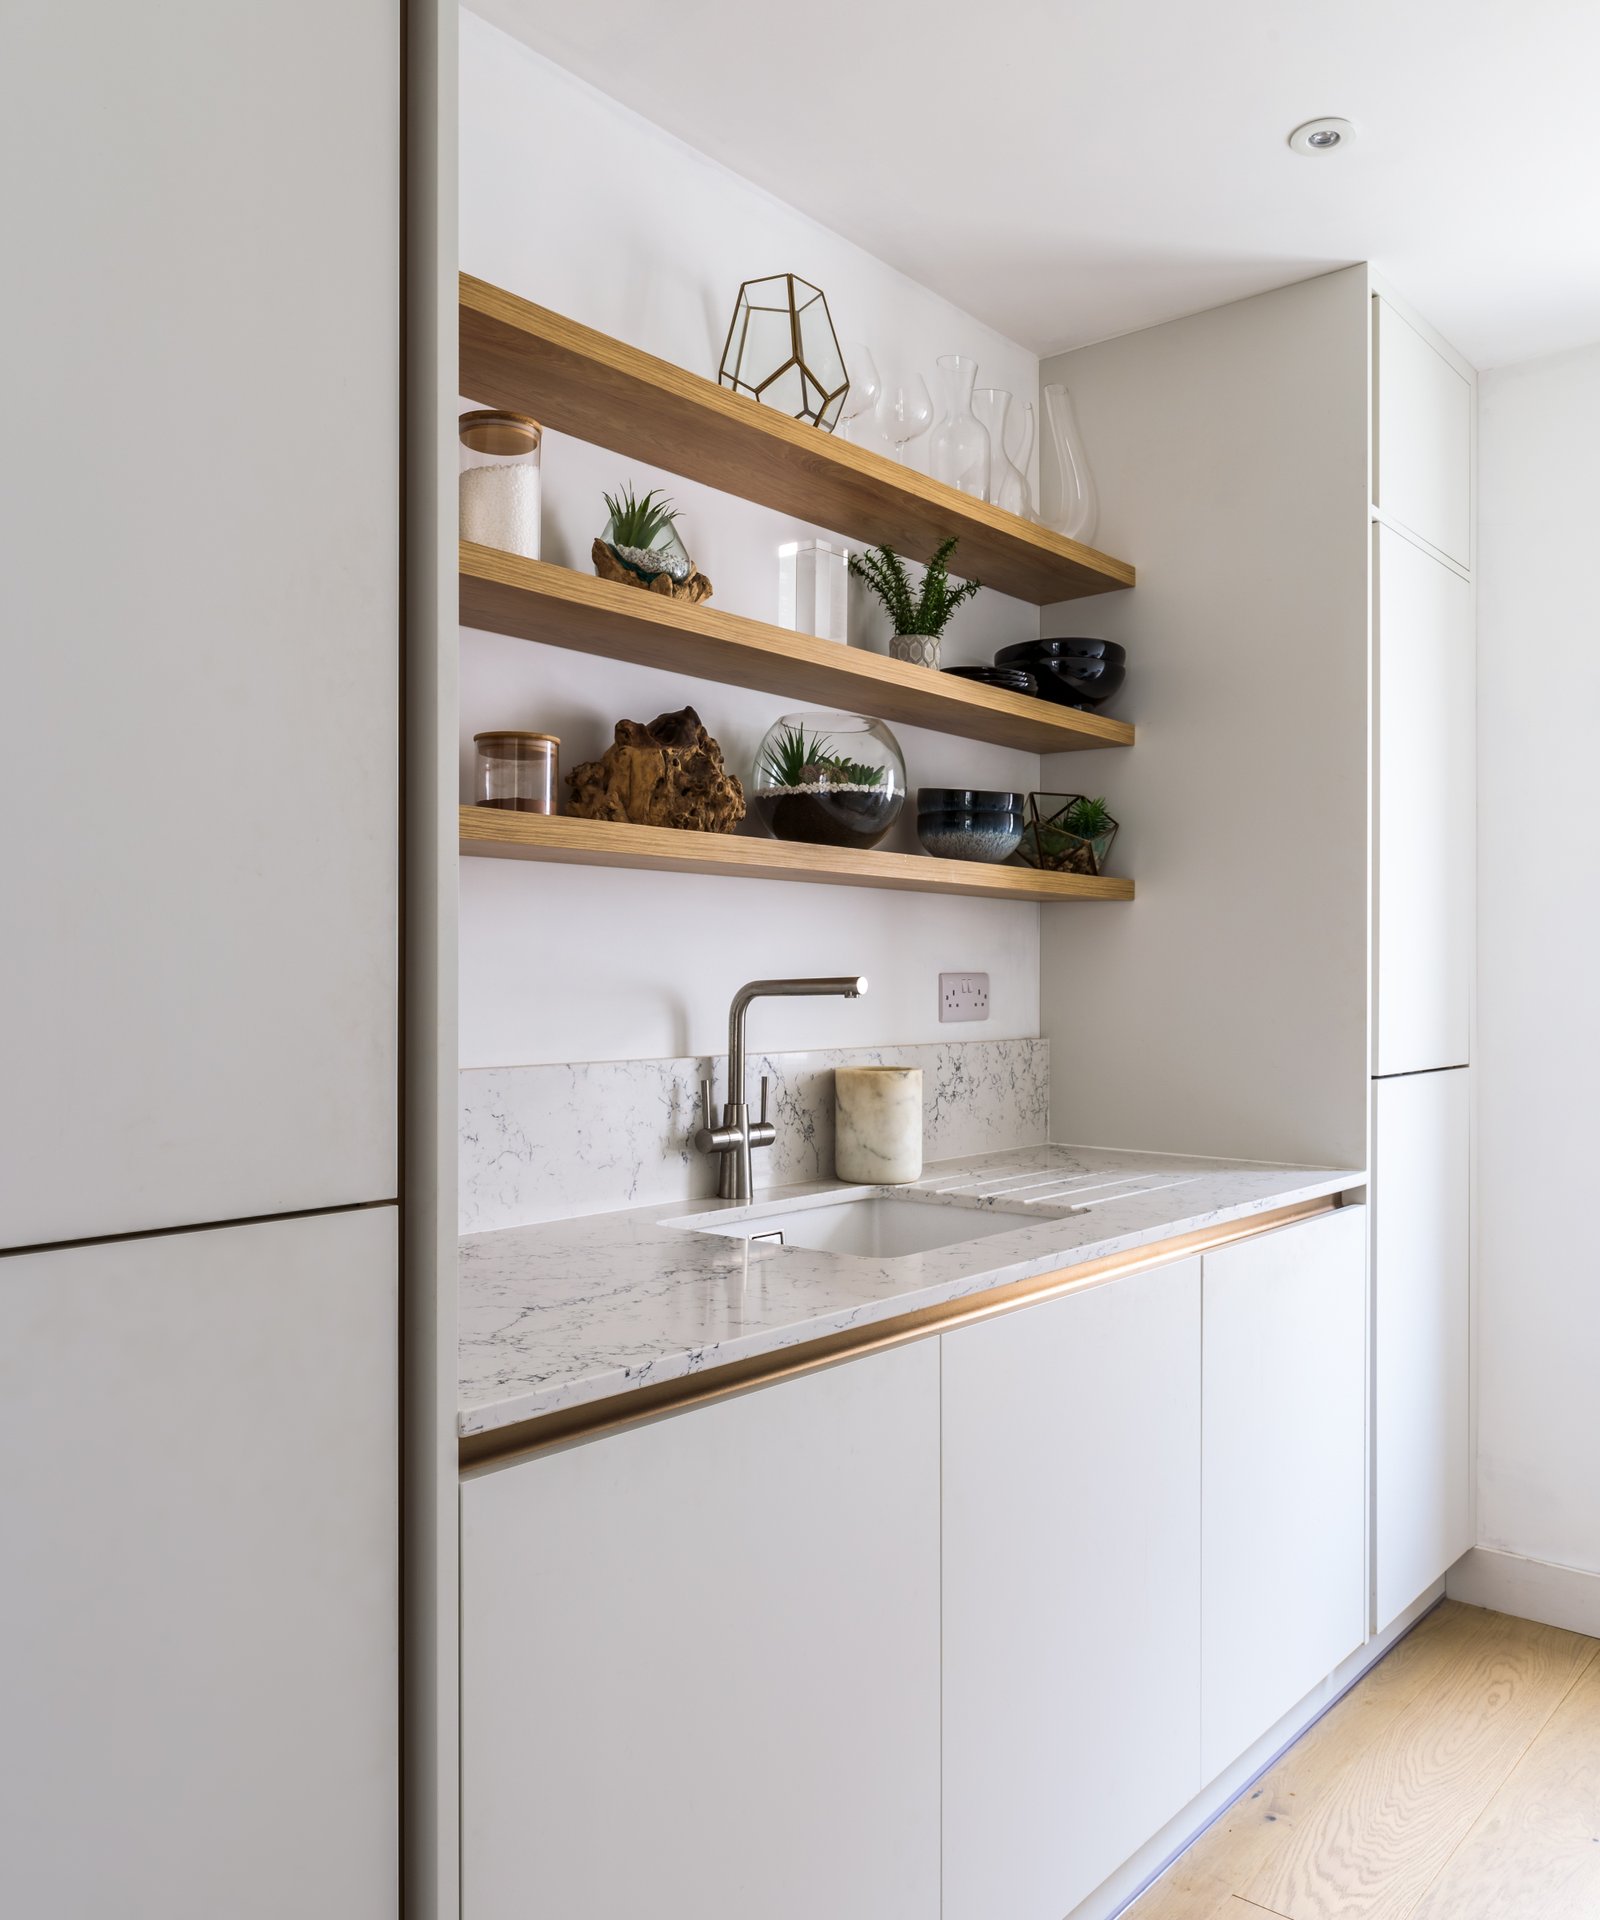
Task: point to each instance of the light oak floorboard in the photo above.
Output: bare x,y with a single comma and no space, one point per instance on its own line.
1430,1688
1535,1851
1371,1850
1259,1826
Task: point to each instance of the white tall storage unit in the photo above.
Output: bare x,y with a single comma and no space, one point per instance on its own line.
1424,839
198,1424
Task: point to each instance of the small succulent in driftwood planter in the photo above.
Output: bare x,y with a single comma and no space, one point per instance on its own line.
1067,833
641,548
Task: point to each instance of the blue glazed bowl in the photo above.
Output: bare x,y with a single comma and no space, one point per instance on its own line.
969,823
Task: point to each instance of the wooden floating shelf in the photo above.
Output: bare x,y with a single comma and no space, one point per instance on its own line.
518,355
503,593
504,835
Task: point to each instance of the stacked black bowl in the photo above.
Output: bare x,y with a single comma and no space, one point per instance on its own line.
1072,673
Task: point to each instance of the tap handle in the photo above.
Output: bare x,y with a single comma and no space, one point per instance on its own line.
763,1099
707,1119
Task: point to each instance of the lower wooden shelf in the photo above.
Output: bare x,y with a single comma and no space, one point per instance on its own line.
501,835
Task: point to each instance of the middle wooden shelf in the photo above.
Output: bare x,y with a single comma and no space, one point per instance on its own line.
534,600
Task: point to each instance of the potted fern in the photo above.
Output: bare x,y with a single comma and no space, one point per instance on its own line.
641,547
919,618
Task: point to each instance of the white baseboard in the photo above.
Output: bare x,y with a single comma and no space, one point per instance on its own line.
1530,1589
1153,1859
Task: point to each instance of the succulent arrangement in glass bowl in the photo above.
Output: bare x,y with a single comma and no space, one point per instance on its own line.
1067,833
641,547
831,779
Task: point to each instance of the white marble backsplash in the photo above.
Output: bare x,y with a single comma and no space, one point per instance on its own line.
552,1142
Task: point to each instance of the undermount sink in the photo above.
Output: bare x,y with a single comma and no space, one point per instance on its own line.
877,1225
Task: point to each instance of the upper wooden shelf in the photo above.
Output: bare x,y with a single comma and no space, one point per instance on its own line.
515,354
609,843
503,593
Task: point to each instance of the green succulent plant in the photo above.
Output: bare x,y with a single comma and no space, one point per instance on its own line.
797,759
1087,818
639,522
927,613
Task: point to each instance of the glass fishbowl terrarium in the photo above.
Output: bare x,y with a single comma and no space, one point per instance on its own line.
833,779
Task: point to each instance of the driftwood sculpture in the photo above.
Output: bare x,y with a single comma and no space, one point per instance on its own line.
668,774
606,563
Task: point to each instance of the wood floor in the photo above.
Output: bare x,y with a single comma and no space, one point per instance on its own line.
1460,1780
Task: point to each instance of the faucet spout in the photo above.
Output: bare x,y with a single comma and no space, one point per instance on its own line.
735,1138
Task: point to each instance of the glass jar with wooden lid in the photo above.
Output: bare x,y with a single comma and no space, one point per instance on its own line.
500,480
517,771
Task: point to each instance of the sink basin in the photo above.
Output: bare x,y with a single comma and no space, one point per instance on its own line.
877,1225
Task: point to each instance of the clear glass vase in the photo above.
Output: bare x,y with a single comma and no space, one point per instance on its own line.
958,452
1008,478
1079,513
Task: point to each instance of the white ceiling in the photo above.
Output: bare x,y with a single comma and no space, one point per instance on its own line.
1076,169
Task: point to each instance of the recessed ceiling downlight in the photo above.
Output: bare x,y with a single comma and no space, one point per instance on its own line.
1322,136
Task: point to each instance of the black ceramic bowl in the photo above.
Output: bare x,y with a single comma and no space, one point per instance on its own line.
1072,673
969,823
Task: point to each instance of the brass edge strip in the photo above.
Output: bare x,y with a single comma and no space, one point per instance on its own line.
503,1446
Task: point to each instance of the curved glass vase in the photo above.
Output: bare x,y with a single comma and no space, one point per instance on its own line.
831,779
1079,514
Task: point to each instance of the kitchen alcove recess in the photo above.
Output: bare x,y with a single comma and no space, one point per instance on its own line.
505,835
525,358
533,600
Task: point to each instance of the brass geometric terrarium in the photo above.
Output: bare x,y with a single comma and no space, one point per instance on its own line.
782,350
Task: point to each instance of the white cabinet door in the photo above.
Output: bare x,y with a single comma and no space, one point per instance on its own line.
1071,1591
199,742
1426,810
199,1604
700,1662
1422,1480
1283,1532
1423,477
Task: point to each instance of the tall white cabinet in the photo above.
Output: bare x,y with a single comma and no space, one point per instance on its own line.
198,1622
1424,836
200,783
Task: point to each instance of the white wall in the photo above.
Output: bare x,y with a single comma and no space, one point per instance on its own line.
568,198
1225,1011
1538,924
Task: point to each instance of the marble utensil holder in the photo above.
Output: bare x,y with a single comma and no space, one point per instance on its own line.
878,1125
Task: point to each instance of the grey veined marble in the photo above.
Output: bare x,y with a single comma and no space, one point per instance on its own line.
578,1310
553,1142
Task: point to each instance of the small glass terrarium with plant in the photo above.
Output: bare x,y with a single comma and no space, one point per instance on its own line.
1067,833
832,779
919,615
641,546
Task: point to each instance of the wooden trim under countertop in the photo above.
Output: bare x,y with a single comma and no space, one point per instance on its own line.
566,1426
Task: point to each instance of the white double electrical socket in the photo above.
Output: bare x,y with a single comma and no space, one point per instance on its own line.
963,996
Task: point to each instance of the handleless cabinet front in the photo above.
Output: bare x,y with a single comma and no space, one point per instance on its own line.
1071,1590
700,1662
1422,1478
1425,842
1284,1535
1424,437
199,1609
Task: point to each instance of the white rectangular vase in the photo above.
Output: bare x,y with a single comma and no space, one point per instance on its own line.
878,1125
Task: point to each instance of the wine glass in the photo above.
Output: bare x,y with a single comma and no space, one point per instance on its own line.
906,412
866,387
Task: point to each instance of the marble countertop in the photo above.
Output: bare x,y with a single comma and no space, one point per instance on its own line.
570,1311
